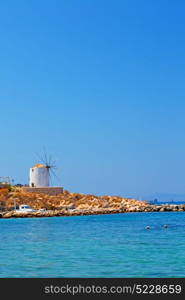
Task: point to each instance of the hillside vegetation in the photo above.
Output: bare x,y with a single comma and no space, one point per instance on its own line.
68,200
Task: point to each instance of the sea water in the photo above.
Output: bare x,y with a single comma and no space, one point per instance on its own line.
117,245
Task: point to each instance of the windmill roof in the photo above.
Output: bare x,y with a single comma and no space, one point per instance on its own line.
39,166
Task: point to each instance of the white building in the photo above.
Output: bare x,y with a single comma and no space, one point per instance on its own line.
39,176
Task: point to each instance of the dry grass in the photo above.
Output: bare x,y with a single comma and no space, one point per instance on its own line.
66,200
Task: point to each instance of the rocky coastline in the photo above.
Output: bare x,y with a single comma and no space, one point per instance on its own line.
74,204
82,212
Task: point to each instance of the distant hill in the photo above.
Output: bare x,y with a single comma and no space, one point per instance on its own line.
165,197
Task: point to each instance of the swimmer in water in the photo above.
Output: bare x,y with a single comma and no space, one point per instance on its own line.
147,227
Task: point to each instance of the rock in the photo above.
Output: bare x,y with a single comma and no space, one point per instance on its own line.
73,204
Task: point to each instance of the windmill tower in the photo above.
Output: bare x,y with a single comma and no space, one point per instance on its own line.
40,174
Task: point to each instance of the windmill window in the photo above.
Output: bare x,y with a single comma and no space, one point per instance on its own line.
32,170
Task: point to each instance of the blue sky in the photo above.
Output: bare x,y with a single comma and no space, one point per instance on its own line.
100,84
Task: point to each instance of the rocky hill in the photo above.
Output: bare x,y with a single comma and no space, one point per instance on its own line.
66,200
74,204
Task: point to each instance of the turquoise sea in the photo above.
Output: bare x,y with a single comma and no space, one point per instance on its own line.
94,246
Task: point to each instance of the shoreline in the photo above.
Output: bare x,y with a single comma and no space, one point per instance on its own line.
86,212
73,204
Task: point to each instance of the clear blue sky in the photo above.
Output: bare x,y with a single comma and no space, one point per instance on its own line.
102,85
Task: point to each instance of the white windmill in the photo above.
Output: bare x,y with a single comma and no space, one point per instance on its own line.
40,174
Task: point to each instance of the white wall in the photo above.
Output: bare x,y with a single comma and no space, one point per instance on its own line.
39,177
